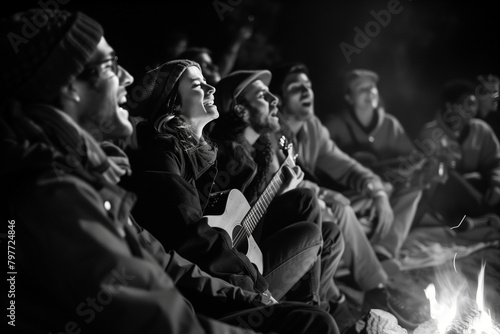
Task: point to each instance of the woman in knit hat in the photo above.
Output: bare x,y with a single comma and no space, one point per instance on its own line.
175,172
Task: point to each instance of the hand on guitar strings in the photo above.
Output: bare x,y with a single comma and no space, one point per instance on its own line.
293,176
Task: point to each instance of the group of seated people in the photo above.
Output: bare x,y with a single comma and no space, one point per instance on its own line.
233,206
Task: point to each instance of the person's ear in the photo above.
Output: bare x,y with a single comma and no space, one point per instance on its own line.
240,110
348,98
70,93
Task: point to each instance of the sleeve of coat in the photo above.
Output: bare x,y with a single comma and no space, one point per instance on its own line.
490,155
173,214
208,294
341,167
76,270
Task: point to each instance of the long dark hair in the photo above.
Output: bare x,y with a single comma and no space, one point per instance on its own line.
229,127
163,107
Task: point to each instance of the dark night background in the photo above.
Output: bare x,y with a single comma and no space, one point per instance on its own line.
426,44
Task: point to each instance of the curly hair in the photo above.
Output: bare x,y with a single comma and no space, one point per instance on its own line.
229,125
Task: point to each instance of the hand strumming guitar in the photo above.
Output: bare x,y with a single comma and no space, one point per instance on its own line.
293,177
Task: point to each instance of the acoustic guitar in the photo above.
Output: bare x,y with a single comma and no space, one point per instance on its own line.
230,211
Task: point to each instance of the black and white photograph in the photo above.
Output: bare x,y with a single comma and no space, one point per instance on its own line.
250,166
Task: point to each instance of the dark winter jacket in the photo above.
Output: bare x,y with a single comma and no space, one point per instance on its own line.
80,261
173,187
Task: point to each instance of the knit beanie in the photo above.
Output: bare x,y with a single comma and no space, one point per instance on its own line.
281,72
161,89
41,49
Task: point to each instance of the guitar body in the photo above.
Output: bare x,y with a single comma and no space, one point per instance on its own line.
226,211
229,211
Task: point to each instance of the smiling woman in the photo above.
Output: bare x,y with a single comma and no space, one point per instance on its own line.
174,169
175,173
197,100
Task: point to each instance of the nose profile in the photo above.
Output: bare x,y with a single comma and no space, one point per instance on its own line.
209,89
273,99
126,79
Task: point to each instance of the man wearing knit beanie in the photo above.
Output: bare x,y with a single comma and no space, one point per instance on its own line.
43,68
82,264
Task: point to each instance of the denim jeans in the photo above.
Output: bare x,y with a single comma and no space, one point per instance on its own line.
404,206
299,258
359,256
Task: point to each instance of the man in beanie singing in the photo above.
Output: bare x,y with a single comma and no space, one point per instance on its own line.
81,263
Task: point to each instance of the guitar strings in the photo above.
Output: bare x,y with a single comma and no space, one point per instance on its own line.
275,185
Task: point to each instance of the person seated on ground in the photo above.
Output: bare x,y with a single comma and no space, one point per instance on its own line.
377,140
487,94
247,161
316,153
470,151
175,173
101,273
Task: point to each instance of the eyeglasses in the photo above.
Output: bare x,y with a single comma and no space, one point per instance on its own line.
99,68
468,106
470,103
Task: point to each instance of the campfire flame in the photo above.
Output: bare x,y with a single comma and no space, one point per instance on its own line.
445,313
441,312
482,323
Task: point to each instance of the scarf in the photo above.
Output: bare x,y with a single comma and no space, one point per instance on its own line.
72,147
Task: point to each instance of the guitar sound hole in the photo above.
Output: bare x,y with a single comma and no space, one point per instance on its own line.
242,245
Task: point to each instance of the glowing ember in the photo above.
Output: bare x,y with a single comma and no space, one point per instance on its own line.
474,319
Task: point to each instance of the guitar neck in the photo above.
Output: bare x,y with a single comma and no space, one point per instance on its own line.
258,210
